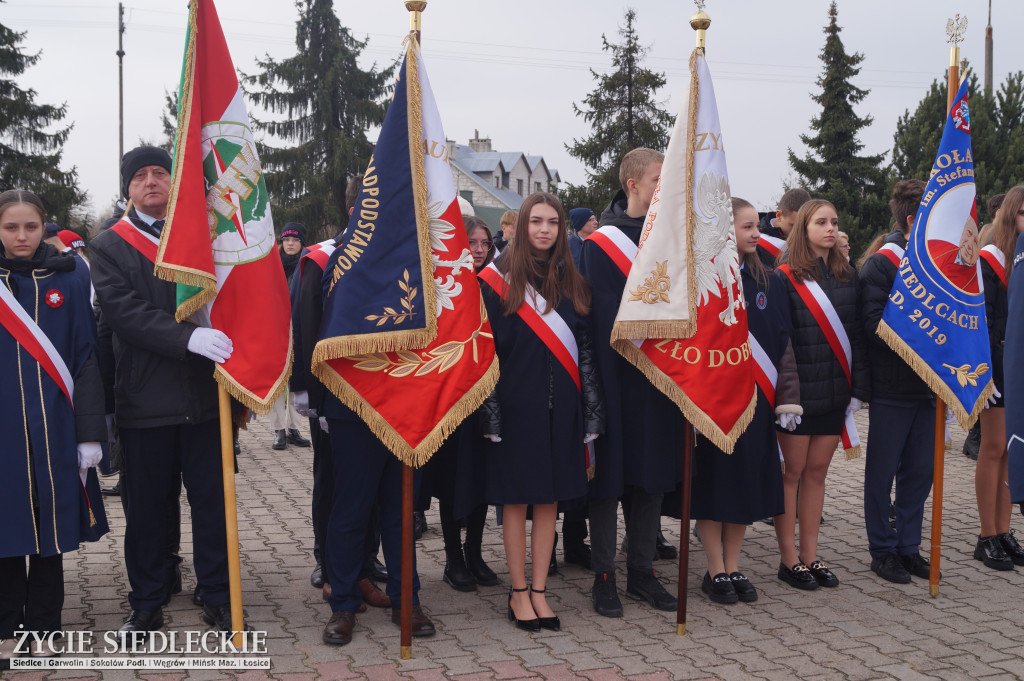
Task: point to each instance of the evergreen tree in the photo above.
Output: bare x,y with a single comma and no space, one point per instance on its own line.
169,120
29,155
623,115
325,103
997,136
834,170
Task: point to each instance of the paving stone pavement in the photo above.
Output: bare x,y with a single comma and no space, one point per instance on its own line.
865,629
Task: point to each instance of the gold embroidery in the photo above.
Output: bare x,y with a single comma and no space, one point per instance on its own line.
409,310
656,287
46,430
412,363
964,375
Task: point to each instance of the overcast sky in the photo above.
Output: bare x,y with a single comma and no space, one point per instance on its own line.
513,74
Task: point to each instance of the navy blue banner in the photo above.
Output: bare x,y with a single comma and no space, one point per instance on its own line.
1013,376
935,316
373,283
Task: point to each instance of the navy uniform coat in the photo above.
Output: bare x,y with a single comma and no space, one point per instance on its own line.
747,485
42,505
643,445
541,457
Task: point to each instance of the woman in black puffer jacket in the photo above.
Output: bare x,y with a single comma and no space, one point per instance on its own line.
828,389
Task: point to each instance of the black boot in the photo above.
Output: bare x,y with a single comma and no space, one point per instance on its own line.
279,439
456,574
973,442
483,575
664,550
295,438
419,524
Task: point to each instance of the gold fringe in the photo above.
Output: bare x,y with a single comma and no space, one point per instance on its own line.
591,469
691,216
193,304
252,401
414,104
382,341
852,453
932,379
694,414
184,117
389,437
92,518
653,328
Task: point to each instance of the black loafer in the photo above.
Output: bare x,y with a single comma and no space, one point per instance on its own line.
744,589
141,622
664,550
990,551
719,588
891,568
220,617
316,578
798,576
916,565
822,575
1012,547
378,572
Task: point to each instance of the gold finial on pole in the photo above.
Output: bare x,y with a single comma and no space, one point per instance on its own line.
955,29
415,8
700,22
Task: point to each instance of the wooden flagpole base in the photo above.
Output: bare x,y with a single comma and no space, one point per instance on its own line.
681,629
938,474
227,457
407,552
684,529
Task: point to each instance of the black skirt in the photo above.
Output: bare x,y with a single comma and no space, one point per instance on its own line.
743,486
829,423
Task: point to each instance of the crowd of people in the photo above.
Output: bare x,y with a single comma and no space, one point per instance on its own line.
121,372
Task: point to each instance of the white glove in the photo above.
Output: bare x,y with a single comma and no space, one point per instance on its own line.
788,421
993,397
111,432
854,406
323,425
589,437
89,454
301,400
210,343
492,437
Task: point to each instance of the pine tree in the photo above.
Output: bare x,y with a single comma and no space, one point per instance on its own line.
997,136
169,120
623,115
324,104
30,156
834,170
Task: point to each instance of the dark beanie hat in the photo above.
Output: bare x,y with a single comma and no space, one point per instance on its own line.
50,230
140,157
579,216
294,229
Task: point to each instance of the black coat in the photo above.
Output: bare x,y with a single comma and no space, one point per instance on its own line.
891,377
767,227
997,305
823,384
643,445
157,382
541,456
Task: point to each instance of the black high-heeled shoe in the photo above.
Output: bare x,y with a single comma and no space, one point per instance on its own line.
525,625
550,623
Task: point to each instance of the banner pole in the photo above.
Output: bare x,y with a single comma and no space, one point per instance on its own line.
940,407
684,529
415,8
227,457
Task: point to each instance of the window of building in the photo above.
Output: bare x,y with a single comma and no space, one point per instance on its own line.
519,187
497,182
536,186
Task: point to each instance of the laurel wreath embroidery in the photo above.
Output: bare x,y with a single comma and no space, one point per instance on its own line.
964,375
413,363
656,287
409,310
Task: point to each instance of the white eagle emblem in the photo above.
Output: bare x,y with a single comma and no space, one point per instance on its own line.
446,288
715,258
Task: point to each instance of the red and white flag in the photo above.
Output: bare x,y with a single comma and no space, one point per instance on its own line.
219,244
682,319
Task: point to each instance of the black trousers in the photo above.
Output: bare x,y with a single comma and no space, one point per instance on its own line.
154,458
33,599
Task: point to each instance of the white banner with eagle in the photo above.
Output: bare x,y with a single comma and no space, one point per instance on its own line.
682,319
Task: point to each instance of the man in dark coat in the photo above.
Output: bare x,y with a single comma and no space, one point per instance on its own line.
640,456
775,226
902,416
583,222
165,402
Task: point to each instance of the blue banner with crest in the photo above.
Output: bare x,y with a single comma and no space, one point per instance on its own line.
935,316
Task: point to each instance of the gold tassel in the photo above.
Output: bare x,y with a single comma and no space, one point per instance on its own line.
92,518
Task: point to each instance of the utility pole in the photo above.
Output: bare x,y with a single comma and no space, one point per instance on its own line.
988,52
120,81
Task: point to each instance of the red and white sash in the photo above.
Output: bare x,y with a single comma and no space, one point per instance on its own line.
144,243
893,252
26,332
772,244
765,372
996,260
825,314
549,326
619,247
319,253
